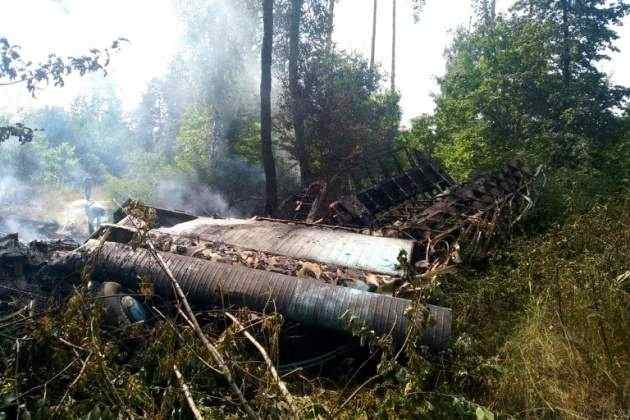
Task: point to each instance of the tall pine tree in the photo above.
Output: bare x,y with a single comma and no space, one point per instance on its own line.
528,83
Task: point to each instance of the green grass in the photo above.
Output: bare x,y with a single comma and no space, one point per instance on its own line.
541,330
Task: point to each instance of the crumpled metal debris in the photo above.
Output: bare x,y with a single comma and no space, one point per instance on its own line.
261,260
462,222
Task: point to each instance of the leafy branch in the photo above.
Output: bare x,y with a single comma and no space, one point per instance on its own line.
417,6
14,70
20,131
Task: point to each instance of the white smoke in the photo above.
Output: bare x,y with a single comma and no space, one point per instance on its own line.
193,198
39,212
203,70
12,194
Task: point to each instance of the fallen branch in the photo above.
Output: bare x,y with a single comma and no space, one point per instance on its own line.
355,392
192,320
187,394
189,317
274,373
76,379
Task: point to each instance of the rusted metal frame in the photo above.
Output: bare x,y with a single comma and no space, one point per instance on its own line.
431,174
382,200
393,191
387,187
428,178
412,167
437,171
403,181
443,174
369,173
410,158
398,180
366,199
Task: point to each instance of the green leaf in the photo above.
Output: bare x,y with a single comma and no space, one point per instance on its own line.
483,413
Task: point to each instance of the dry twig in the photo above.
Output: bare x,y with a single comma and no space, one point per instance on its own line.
274,373
189,316
186,390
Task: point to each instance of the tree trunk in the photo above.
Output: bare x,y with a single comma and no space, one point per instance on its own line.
271,188
394,45
489,13
373,36
331,24
565,58
296,94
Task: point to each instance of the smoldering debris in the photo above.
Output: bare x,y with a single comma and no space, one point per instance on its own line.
22,281
452,224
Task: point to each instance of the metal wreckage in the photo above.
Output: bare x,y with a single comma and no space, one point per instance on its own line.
360,248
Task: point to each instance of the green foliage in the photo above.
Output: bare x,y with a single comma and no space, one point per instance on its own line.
142,179
421,135
216,66
247,145
41,163
346,113
92,371
99,130
71,144
195,142
573,335
540,330
58,165
503,97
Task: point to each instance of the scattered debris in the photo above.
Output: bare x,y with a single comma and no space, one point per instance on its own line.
467,221
393,177
359,257
450,222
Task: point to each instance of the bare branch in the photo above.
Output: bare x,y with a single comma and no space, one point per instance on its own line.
192,320
274,373
186,390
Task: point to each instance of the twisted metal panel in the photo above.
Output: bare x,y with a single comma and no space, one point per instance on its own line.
307,301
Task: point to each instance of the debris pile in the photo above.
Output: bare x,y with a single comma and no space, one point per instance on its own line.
287,259
450,222
362,256
23,281
394,177
260,260
467,221
311,303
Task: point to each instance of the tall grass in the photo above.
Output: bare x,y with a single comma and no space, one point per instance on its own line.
570,352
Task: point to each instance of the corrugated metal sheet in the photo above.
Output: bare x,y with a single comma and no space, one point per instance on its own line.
325,245
312,303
